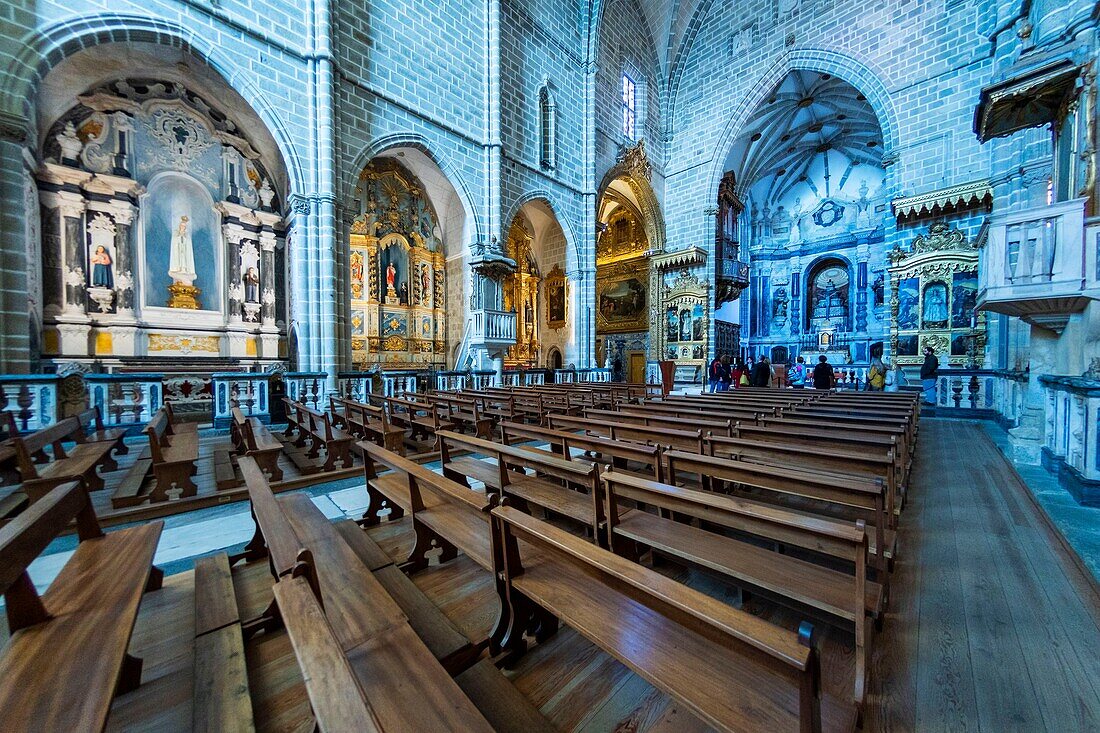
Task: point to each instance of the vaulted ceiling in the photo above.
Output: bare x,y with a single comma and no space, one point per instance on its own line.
811,122
667,21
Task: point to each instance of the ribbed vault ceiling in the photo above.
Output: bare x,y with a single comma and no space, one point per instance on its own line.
809,121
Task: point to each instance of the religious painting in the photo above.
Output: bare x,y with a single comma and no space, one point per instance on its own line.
357,269
181,229
685,325
934,305
908,302
698,323
964,298
555,298
673,326
907,345
622,303
960,343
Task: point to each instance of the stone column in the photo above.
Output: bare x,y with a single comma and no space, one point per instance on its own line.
267,278
123,213
74,267
234,234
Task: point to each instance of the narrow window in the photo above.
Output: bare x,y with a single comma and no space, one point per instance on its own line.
548,113
629,108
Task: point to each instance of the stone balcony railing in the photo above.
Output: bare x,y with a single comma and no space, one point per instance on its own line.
1037,265
492,328
31,398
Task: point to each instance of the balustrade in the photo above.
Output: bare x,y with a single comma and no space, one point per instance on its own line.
250,392
123,399
493,326
355,385
398,384
307,388
31,398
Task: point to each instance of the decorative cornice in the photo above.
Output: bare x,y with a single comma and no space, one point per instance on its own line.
678,259
963,196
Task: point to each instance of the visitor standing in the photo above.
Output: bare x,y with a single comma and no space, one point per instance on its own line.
796,375
895,378
876,375
724,377
737,372
823,374
929,370
762,373
715,373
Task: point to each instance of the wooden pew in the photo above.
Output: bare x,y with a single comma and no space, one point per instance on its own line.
372,606
856,497
220,697
398,685
691,440
841,594
565,487
79,462
252,438
446,514
368,421
463,413
173,455
318,429
734,671
419,419
91,422
67,656
658,420
600,450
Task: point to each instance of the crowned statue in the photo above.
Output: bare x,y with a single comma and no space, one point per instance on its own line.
181,268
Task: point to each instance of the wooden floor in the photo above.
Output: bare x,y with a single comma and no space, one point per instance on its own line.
992,627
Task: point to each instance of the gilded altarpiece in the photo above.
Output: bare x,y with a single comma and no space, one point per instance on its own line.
396,272
622,274
933,294
521,296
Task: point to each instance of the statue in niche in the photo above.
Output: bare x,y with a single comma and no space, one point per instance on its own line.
779,306
251,286
181,263
102,277
935,304
403,294
425,285
685,327
391,276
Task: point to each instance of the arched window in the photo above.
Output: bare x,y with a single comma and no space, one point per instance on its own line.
548,123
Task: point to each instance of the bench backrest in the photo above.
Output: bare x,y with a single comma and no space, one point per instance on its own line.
157,430
90,421
836,538
634,432
336,697
581,473
815,435
53,435
282,543
27,535
836,459
676,422
645,454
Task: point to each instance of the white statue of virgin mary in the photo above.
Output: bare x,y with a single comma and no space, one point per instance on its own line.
181,262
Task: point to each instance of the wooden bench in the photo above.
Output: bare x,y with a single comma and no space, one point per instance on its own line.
252,438
598,449
447,516
173,455
734,671
67,656
561,486
691,440
91,422
657,420
220,697
847,496
79,462
842,594
462,412
316,427
828,458
421,420
370,422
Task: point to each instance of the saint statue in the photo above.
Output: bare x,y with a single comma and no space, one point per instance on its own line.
425,284
251,286
391,275
181,263
101,268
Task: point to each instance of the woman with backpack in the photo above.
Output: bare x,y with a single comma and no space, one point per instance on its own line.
876,375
